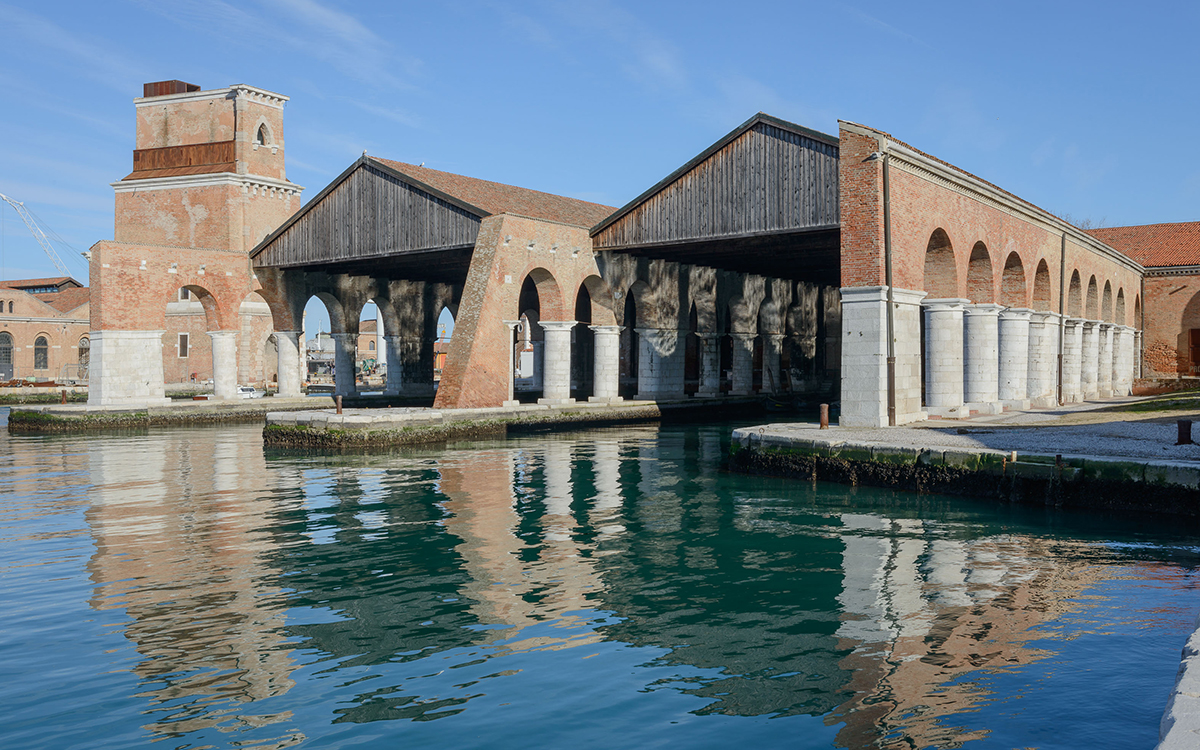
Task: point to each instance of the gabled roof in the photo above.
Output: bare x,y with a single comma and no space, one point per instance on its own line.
58,281
479,197
66,300
1155,245
486,198
733,135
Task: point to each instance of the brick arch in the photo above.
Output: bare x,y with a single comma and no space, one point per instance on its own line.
1041,287
1106,303
637,300
549,295
603,304
1012,282
941,271
1137,311
1119,310
981,283
1092,307
207,300
333,306
1075,295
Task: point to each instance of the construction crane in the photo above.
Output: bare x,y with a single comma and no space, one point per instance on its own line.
37,233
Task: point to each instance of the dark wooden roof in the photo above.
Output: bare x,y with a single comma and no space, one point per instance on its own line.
763,199
387,217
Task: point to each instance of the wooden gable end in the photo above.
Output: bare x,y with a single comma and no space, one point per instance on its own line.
368,214
766,180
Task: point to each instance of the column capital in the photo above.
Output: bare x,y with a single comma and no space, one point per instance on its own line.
906,296
556,325
512,324
947,304
740,336
1016,313
1072,322
983,308
1089,323
709,334
287,333
215,334
610,330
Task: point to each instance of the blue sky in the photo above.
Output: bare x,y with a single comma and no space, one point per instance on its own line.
1088,109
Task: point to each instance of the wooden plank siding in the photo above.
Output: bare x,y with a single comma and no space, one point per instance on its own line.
369,214
768,179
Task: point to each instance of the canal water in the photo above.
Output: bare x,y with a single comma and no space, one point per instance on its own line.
611,588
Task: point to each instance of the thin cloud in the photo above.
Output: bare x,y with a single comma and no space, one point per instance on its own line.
885,27
88,58
648,58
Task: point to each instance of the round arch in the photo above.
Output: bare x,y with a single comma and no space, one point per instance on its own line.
1075,296
981,285
1092,309
550,301
1012,282
941,272
1119,309
1041,287
6,356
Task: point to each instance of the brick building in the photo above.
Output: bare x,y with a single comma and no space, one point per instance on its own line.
44,330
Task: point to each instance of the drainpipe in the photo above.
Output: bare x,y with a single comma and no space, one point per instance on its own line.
1062,297
887,266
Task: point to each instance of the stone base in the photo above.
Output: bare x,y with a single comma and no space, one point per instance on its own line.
985,408
556,401
659,396
510,404
706,394
1105,394
610,400
1016,404
947,412
1044,402
919,416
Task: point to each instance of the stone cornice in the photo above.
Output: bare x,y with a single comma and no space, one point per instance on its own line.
240,90
1174,271
248,183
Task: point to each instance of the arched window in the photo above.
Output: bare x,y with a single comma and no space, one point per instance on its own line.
85,351
6,356
262,138
10,306
41,353
371,346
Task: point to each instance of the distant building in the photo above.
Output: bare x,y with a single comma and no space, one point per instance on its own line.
44,330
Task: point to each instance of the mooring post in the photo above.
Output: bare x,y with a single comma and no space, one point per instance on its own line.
824,416
64,397
1185,432
338,400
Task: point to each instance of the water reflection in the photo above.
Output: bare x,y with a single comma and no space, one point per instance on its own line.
273,599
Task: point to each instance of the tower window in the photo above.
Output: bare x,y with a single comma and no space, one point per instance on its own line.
184,293
262,138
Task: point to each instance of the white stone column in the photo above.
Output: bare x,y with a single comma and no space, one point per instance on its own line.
864,357
393,366
907,320
288,346
1072,390
710,365
304,348
344,349
380,352
606,368
224,362
1137,354
1042,375
556,358
1122,361
1105,369
772,355
981,358
742,379
1014,357
944,357
126,367
1089,378
511,348
660,364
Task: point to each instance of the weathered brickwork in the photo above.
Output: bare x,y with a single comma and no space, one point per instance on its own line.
65,333
1172,312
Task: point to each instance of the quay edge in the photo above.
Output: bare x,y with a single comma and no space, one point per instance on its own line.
71,418
1063,480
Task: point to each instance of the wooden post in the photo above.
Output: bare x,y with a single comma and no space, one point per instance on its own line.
64,397
338,400
824,416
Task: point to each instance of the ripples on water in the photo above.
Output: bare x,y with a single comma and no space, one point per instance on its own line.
604,589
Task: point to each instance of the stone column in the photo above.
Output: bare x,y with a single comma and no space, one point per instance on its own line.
907,321
1105,369
380,352
710,365
556,362
1014,357
606,369
288,346
944,357
742,379
126,367
660,364
864,357
772,354
1042,374
981,358
343,363
1072,389
1137,354
510,347
393,366
224,361
1122,375
1090,358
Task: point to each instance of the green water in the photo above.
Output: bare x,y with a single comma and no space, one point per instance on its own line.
614,588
